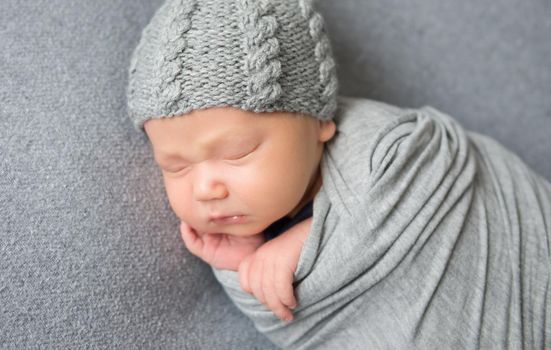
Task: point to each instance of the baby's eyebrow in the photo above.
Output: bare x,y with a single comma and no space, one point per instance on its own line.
169,156
209,147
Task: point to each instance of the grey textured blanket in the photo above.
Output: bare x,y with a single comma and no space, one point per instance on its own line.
423,236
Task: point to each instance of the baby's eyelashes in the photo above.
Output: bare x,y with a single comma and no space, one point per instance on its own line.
241,155
175,172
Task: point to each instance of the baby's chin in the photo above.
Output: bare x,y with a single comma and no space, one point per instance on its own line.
238,230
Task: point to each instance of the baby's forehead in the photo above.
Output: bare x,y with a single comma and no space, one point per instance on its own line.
221,120
220,126
238,120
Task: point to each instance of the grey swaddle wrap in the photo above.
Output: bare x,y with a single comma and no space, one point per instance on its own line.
423,236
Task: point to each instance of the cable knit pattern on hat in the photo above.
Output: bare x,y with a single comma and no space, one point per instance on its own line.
262,47
169,89
257,55
324,56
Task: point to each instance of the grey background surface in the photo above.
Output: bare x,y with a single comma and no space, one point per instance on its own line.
90,255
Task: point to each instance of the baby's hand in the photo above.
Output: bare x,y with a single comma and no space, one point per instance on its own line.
268,273
219,250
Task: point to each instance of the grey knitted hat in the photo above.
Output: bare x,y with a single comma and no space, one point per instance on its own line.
257,55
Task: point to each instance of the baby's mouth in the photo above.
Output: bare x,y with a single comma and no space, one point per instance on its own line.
229,220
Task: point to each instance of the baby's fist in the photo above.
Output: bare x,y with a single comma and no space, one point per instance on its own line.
270,279
268,273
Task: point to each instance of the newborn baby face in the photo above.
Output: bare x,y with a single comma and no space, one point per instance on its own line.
232,171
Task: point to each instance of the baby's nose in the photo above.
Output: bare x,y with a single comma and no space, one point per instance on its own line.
208,187
208,191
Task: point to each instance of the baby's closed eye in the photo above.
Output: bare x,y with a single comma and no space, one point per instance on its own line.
174,170
242,154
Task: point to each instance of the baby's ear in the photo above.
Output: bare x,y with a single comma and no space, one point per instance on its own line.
327,130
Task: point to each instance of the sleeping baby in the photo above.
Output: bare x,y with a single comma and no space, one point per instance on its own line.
334,221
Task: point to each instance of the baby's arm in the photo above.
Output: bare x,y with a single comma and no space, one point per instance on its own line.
268,273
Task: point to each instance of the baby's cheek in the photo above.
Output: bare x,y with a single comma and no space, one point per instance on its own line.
271,196
178,199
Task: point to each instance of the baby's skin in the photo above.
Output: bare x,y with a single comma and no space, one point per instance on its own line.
228,175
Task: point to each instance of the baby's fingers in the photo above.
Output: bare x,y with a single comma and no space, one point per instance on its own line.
244,267
255,280
273,301
283,285
193,242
